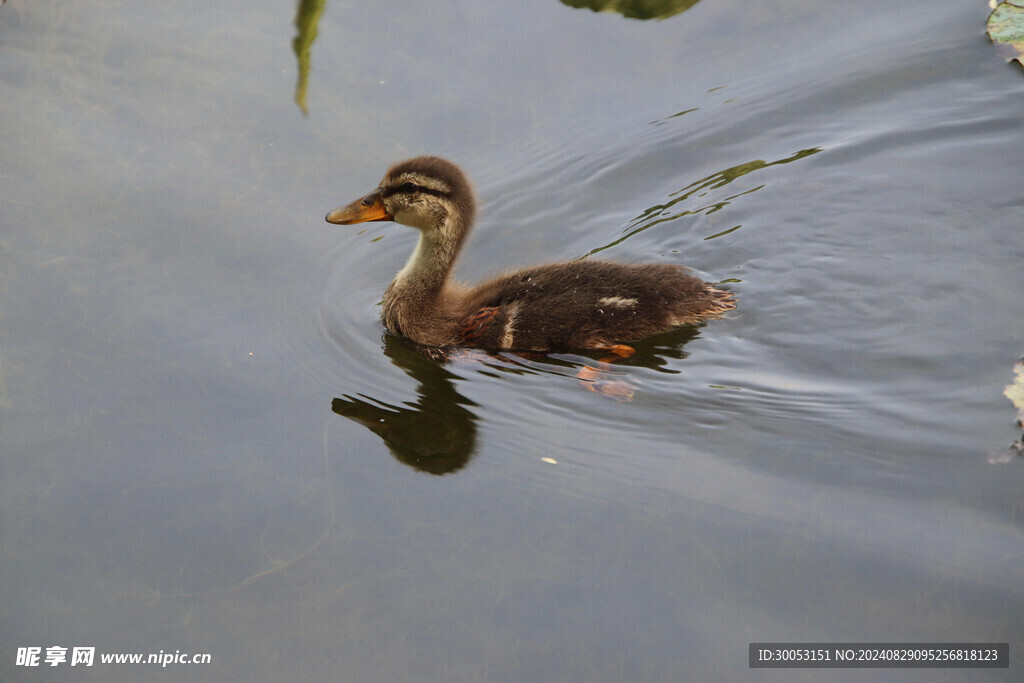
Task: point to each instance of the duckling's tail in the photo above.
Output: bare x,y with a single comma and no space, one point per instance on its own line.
721,301
701,305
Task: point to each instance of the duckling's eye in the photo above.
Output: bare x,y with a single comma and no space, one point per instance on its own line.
409,188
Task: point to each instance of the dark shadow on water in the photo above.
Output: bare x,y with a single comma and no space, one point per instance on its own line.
635,9
437,433
653,352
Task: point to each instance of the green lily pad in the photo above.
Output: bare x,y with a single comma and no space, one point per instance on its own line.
635,9
1006,27
1015,391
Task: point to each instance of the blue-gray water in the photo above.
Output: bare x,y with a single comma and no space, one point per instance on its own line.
189,355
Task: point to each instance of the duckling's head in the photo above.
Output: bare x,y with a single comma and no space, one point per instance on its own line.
427,193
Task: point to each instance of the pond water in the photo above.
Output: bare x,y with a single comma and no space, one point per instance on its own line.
210,446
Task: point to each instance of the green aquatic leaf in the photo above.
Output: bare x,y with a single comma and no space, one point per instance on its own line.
635,9
1006,27
663,213
1015,391
307,16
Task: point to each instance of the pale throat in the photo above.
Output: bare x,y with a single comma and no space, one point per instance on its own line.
420,260
430,263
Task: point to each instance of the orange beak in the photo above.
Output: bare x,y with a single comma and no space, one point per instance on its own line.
369,208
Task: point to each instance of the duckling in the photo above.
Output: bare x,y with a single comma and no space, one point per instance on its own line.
589,304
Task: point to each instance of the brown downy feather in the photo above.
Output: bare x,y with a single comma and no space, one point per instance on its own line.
558,306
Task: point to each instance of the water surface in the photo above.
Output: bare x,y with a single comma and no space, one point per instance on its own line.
193,374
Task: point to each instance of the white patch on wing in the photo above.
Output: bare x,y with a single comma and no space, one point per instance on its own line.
507,337
617,301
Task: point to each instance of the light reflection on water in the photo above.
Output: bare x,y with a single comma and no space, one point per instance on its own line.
193,374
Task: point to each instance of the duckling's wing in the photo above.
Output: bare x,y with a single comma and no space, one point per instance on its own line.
587,304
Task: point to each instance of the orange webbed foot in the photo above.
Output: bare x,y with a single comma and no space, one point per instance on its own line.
618,352
596,380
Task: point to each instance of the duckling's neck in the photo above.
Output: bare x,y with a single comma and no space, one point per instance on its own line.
416,293
428,267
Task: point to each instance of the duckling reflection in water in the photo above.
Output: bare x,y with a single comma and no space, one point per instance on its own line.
437,433
590,304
